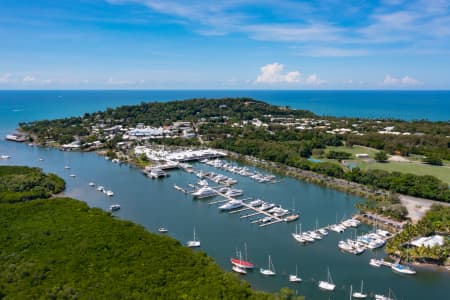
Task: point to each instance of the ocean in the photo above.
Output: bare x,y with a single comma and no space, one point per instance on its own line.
17,106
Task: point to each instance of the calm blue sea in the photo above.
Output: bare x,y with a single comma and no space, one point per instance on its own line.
16,106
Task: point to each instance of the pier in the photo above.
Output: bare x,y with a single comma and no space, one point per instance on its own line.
267,219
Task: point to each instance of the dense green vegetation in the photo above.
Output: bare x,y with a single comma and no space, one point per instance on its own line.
60,248
24,183
338,155
157,114
435,161
435,221
381,156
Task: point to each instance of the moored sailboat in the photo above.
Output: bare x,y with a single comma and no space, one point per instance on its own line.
295,278
360,294
327,285
270,271
242,263
194,242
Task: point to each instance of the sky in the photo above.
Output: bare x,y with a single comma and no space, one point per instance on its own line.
233,44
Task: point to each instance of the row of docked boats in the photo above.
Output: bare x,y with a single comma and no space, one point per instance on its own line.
371,241
217,178
207,192
341,227
271,211
243,171
395,267
309,237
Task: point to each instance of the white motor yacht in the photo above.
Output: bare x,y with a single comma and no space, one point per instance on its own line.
233,204
256,203
266,206
157,173
204,192
234,193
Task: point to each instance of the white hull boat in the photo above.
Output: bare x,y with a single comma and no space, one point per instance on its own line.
270,271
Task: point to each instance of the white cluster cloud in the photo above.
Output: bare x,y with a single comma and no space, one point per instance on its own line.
405,81
273,74
313,79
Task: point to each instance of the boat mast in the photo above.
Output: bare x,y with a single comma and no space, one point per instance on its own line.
245,249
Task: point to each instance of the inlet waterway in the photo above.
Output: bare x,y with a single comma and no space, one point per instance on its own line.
153,203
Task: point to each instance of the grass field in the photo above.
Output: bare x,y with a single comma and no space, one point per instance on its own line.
354,150
443,173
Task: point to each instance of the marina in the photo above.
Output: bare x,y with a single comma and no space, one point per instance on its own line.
271,216
155,202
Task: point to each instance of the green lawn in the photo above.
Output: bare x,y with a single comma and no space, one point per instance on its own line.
443,173
354,150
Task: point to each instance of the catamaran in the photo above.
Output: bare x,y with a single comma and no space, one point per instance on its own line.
327,285
270,271
360,295
295,278
194,242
